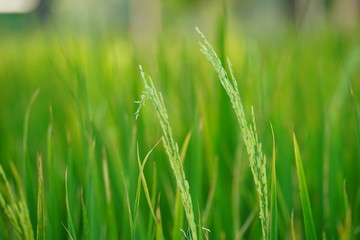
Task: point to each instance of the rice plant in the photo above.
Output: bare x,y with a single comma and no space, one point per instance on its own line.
16,211
171,148
257,159
307,83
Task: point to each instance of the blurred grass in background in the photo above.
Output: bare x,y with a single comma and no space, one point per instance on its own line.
301,74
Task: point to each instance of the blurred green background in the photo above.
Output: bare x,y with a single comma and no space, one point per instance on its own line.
297,62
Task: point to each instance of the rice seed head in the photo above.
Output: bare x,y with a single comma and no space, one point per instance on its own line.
16,211
257,159
171,148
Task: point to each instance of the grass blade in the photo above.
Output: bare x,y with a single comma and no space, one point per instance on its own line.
304,196
159,233
87,234
153,201
274,211
293,235
131,222
70,224
346,230
40,228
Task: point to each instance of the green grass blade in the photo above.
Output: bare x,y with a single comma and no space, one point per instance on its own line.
159,233
304,196
131,222
26,125
293,235
346,230
87,234
153,201
70,224
40,228
274,210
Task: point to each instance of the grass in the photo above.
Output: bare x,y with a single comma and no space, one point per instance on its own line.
71,153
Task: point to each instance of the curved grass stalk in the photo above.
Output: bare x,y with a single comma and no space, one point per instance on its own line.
257,159
171,148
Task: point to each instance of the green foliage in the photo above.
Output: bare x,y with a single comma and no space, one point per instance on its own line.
116,189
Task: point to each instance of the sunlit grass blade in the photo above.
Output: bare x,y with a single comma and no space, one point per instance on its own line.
26,169
142,180
304,196
346,230
106,178
26,124
159,233
40,228
274,210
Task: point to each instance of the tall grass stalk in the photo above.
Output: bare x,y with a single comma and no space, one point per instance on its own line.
171,148
253,146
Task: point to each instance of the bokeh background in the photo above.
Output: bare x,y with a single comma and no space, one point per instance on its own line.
297,63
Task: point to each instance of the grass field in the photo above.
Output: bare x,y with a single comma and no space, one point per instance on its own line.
77,164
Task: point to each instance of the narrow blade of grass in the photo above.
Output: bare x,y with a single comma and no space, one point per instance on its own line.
346,230
40,229
304,196
153,201
70,224
87,234
131,222
274,211
293,235
26,124
159,233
